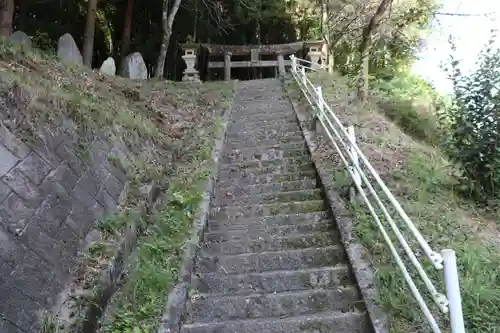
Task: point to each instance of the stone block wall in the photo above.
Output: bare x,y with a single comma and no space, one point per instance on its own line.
52,192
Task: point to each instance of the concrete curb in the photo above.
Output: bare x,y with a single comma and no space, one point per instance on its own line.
358,255
174,309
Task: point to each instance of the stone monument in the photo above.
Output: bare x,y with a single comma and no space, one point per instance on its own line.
68,51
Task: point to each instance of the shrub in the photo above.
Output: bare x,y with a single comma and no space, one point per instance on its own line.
474,140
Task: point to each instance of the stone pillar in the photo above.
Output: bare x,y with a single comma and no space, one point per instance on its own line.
314,54
281,64
227,66
190,73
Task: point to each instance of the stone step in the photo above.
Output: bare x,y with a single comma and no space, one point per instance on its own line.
236,191
271,221
292,303
262,119
257,245
278,153
239,232
261,164
272,261
284,131
326,322
270,282
262,114
257,211
268,178
237,174
256,111
272,197
258,135
251,146
263,126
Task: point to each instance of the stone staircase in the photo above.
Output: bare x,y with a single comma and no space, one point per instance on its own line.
271,259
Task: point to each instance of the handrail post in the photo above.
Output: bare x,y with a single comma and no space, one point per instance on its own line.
303,73
321,101
354,162
453,291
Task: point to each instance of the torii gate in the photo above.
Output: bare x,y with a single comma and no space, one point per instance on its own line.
315,51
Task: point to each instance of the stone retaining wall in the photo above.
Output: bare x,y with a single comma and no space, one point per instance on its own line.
52,192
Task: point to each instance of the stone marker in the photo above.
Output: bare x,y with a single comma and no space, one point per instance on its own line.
134,67
22,39
108,67
68,51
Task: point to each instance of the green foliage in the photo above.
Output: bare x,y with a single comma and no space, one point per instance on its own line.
395,43
413,104
159,257
474,140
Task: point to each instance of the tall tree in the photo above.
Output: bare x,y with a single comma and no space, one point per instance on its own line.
366,46
127,30
88,38
6,14
167,24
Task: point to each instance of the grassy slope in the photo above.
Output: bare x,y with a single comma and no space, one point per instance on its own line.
169,126
418,175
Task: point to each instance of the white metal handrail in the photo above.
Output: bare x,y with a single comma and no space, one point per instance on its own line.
339,134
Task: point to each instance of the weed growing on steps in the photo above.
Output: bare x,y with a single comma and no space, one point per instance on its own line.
418,175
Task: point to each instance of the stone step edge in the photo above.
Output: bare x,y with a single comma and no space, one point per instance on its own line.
258,171
268,146
238,133
328,315
222,188
205,244
336,247
273,161
263,117
281,293
338,267
278,216
308,190
252,227
274,204
306,173
242,227
281,113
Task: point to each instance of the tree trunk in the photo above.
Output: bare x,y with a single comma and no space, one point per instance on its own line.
127,31
88,39
168,22
21,19
6,15
195,22
366,46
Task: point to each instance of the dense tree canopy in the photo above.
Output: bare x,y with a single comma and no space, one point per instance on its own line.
124,26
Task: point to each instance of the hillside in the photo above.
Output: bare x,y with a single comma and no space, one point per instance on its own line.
421,178
121,144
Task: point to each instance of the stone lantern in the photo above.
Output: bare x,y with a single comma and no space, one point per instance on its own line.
314,54
190,73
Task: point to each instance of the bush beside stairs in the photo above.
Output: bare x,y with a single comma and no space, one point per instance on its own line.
271,259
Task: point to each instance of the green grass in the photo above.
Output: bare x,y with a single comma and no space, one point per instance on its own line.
420,177
159,255
141,300
170,128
